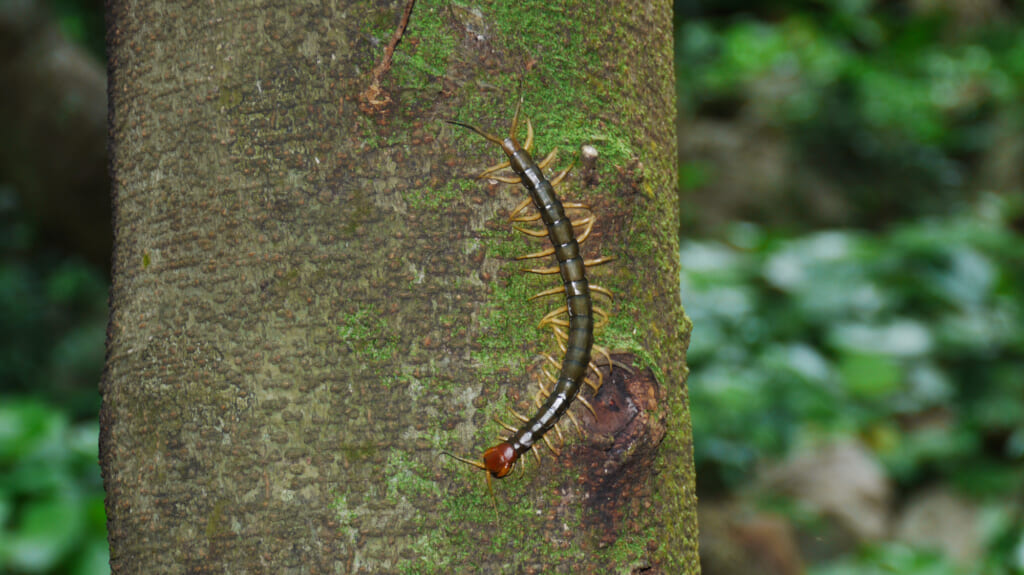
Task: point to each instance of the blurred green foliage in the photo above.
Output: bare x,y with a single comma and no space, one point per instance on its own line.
912,340
81,21
54,313
894,103
51,495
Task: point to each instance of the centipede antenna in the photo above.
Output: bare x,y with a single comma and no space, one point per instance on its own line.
515,123
465,460
529,135
490,137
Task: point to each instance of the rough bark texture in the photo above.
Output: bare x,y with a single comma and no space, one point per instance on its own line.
312,296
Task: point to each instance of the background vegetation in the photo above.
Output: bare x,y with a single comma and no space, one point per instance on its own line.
861,275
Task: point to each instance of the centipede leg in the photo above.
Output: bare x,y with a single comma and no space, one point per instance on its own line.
561,176
519,208
505,179
598,261
575,421
589,407
553,291
596,386
540,254
589,223
547,442
551,315
543,164
493,169
529,232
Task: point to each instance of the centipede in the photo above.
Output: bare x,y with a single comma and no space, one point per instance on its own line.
572,323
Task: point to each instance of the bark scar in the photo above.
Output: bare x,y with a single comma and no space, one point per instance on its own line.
623,438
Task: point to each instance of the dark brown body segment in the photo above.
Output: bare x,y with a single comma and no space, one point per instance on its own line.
500,459
577,296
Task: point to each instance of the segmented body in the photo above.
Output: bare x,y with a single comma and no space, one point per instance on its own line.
578,341
577,298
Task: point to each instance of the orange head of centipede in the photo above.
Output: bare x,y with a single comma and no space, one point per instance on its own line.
500,459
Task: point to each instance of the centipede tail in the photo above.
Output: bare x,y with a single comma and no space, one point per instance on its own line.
574,335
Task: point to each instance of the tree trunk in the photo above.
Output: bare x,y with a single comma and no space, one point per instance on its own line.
313,296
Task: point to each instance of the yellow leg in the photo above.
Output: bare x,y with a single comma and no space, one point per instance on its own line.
540,254
551,447
586,404
529,232
602,291
561,176
529,218
553,291
521,206
493,169
543,164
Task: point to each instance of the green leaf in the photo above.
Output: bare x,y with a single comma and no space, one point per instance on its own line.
870,376
47,531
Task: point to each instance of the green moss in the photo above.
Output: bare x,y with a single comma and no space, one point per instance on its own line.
366,332
430,199
408,477
355,452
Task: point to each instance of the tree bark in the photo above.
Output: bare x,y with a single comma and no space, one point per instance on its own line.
313,297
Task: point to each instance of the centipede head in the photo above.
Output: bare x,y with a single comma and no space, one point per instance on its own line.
500,459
